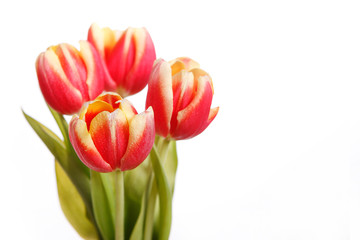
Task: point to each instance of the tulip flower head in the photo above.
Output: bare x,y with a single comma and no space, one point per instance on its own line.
128,56
181,95
108,134
68,78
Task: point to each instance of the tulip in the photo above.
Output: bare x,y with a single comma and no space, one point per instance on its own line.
68,77
108,134
180,94
128,57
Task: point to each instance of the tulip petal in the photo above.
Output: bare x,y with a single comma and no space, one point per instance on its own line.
109,133
141,139
128,109
183,63
58,91
101,136
109,82
176,67
212,115
120,134
160,95
84,146
73,66
138,76
94,108
189,63
192,118
96,38
111,98
199,72
104,40
95,71
131,61
183,91
122,58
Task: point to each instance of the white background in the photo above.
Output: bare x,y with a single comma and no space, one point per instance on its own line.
280,161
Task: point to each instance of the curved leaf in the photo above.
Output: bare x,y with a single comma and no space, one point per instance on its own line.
75,161
73,206
55,145
66,157
103,200
136,182
138,230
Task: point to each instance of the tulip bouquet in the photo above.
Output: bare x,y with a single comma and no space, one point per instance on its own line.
115,168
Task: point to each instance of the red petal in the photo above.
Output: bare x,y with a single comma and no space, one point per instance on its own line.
194,116
84,146
121,59
103,40
183,90
128,109
109,133
141,140
58,92
138,76
212,115
94,109
73,66
131,61
111,98
94,68
160,96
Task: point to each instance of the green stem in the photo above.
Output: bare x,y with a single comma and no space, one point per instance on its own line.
164,195
164,148
119,205
150,209
163,145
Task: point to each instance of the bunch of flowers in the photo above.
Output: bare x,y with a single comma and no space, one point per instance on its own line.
115,167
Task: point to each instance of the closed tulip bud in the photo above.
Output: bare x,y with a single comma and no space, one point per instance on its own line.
180,94
108,134
128,55
68,77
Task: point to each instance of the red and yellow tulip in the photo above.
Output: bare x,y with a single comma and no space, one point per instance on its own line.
68,78
129,56
108,134
181,95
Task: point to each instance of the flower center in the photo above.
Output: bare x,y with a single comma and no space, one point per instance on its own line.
106,102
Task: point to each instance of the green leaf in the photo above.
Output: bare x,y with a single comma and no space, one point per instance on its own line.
103,200
168,150
164,195
52,142
74,168
138,230
61,122
151,201
136,180
73,206
67,158
64,128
